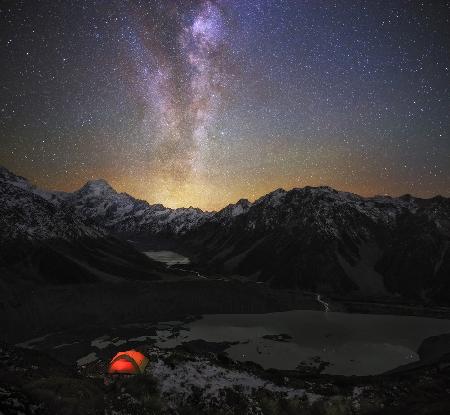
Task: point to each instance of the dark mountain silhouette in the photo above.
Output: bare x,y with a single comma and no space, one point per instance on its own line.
316,239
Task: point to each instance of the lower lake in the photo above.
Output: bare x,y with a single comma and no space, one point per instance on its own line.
352,344
346,344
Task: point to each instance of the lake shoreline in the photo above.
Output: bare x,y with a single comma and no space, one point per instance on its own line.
177,376
234,334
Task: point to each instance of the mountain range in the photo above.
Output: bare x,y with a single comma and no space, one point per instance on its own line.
44,239
314,238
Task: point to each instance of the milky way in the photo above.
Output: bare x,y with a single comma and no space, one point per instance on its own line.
204,102
180,79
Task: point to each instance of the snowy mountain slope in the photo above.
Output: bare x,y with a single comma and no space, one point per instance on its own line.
337,242
44,239
99,203
96,205
30,213
228,213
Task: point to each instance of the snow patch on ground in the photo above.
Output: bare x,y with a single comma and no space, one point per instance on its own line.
60,346
91,357
200,374
358,391
140,339
29,344
103,342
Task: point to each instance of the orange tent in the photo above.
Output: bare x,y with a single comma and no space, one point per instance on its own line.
130,362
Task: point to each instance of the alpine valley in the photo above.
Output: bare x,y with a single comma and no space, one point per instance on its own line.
314,239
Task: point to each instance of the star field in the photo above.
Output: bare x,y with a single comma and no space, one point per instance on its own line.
204,102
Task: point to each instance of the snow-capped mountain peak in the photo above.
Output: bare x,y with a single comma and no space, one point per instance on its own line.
273,198
7,176
27,212
234,209
97,187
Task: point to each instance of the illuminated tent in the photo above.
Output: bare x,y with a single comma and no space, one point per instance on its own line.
130,362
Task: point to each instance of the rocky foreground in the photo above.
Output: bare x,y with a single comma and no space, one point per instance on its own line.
196,380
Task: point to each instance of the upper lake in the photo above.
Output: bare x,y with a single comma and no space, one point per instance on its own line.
167,257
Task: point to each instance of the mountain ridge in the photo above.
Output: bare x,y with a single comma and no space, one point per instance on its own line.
280,189
46,240
314,238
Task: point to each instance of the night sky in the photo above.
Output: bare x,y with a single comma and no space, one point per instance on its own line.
204,102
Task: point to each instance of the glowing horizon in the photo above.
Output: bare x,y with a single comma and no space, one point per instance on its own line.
204,102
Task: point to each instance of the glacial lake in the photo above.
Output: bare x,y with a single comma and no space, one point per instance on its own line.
352,344
167,257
